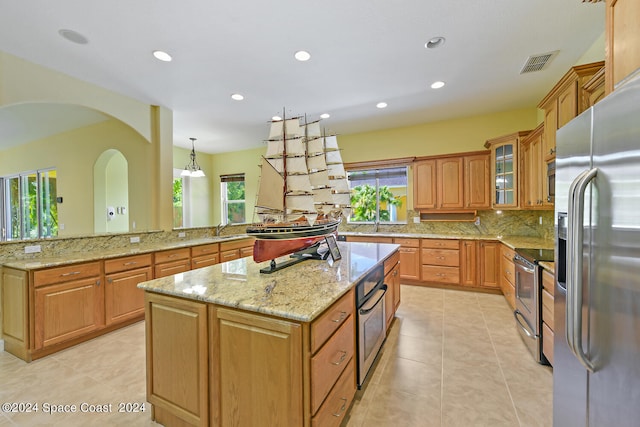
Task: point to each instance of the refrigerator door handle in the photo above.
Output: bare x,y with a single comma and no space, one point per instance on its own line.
575,276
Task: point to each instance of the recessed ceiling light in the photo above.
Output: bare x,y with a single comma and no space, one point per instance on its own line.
73,36
302,55
381,105
434,42
437,85
325,116
162,56
237,97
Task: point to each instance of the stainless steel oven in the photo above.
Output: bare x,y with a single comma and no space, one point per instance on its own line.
551,181
528,312
371,318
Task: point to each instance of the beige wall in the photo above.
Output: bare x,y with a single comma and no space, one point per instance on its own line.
150,167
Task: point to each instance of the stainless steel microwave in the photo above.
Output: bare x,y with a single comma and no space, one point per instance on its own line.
551,181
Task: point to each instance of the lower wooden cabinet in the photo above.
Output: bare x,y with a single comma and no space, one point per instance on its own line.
409,258
236,249
392,279
469,262
440,260
247,369
508,275
489,264
122,298
171,262
548,290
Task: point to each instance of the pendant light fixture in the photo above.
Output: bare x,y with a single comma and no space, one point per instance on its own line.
192,169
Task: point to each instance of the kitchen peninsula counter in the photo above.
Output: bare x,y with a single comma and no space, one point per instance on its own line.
228,345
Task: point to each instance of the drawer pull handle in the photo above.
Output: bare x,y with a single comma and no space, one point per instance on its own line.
73,273
342,408
342,357
440,257
343,315
130,263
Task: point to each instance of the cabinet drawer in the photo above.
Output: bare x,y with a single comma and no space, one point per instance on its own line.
127,263
229,255
441,243
169,268
547,342
509,292
172,255
329,321
246,251
201,250
440,274
236,244
548,282
407,243
204,261
65,274
335,407
547,308
330,361
446,257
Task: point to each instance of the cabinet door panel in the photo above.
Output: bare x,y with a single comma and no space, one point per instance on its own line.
66,311
424,183
489,264
477,193
123,299
468,263
450,183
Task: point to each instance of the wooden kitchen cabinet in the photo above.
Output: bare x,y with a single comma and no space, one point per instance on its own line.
622,56
68,303
505,176
172,261
477,173
235,249
178,345
205,255
392,280
469,263
122,298
534,172
451,182
564,102
409,258
489,264
440,259
15,312
508,275
548,291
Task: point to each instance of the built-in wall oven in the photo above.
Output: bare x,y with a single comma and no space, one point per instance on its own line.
371,325
528,312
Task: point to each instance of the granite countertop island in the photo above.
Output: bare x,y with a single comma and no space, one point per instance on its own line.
300,292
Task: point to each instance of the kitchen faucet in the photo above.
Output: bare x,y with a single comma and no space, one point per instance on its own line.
219,228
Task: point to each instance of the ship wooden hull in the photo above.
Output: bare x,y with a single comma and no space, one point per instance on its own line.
276,240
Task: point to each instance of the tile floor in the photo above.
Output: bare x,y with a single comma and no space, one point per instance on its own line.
452,358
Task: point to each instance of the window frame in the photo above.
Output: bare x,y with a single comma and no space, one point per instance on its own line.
225,202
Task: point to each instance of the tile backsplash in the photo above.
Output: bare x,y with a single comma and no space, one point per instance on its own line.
506,223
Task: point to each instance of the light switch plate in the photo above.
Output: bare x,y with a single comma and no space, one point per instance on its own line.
135,239
416,220
182,234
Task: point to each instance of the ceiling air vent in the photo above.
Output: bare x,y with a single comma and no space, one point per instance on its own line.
537,62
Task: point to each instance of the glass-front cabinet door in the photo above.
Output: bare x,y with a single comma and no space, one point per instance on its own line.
504,170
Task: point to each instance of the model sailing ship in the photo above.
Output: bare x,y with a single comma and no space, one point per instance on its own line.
303,192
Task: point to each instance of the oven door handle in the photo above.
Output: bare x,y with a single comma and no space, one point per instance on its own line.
522,265
373,301
517,314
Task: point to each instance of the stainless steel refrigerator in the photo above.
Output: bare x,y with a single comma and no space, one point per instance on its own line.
596,371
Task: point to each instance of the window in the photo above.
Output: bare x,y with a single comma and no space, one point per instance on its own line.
178,201
233,204
378,195
29,205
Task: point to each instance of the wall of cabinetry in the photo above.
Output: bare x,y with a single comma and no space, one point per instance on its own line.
48,309
548,290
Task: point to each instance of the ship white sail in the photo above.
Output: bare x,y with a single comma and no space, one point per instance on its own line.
289,128
340,192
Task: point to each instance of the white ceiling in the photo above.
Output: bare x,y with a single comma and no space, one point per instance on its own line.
363,52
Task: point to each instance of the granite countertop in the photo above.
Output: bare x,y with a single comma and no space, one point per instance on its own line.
513,242
89,254
300,292
549,266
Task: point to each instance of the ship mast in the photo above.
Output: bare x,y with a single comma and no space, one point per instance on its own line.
284,166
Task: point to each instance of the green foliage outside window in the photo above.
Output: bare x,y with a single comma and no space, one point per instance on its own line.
235,211
177,203
364,203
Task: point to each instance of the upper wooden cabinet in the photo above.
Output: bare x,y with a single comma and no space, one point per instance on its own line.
453,182
622,54
533,172
504,169
564,102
